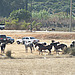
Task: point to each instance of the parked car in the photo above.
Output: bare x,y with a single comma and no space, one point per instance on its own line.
2,26
3,38
31,39
10,40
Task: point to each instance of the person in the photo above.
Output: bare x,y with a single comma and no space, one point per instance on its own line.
3,45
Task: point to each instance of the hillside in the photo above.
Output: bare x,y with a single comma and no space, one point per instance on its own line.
53,6
42,14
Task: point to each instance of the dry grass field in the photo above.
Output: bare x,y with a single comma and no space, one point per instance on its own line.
35,64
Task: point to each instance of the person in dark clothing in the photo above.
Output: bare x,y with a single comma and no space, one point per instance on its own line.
3,45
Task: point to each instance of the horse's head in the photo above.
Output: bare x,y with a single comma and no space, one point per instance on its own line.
36,45
73,42
58,42
54,44
53,41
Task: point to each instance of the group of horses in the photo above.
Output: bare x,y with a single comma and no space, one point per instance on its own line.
43,46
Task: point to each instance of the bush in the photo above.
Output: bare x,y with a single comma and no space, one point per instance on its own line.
8,53
67,50
73,51
70,51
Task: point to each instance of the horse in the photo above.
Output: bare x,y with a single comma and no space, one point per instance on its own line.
60,46
28,44
43,43
43,47
72,45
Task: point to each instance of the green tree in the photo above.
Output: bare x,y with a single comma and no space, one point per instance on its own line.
42,14
36,26
12,24
25,25
21,14
7,6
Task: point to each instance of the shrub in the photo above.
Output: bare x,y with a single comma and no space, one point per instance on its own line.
73,51
8,53
67,50
70,51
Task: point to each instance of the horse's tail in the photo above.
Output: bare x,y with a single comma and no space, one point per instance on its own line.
66,46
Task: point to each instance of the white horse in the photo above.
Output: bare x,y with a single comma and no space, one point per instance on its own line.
28,44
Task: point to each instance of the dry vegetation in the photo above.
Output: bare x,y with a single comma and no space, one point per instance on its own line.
35,64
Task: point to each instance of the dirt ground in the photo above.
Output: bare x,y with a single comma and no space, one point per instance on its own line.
33,63
52,66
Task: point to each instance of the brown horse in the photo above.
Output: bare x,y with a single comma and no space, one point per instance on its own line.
43,47
60,46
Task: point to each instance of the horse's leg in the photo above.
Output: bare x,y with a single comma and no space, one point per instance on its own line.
63,50
31,48
1,49
49,51
41,52
4,47
26,49
57,52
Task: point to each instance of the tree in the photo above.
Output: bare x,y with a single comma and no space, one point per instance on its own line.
21,14
7,6
12,24
25,25
36,26
42,14
26,5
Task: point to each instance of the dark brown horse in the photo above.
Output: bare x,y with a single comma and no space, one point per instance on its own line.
43,47
58,46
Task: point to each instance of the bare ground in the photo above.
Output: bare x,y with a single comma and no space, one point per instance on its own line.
35,64
52,66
